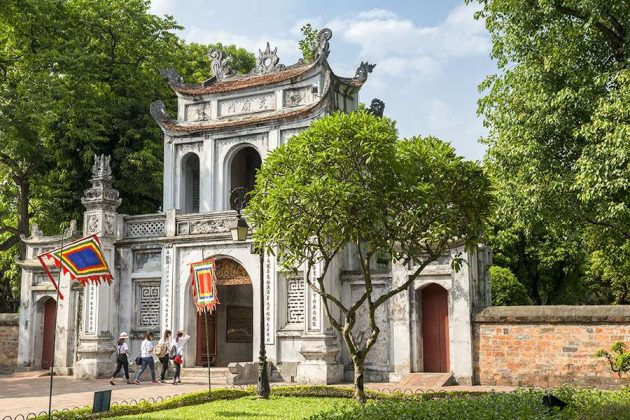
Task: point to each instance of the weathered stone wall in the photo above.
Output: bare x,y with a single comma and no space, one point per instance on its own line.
547,345
8,342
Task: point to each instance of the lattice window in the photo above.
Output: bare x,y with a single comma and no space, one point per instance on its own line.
143,229
295,300
148,300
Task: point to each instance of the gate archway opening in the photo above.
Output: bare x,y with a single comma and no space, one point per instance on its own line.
230,327
243,168
190,184
48,340
433,314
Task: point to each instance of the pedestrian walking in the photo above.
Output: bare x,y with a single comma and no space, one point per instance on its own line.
178,358
146,357
122,358
162,351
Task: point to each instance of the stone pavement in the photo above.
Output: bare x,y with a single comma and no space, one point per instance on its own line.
26,393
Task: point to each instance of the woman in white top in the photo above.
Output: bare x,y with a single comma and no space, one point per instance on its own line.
178,358
122,359
146,355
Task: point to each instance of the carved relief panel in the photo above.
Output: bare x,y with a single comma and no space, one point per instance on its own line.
297,96
198,111
247,104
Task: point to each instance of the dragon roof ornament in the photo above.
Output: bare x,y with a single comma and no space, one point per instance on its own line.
220,65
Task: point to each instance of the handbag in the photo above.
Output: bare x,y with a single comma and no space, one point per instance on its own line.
178,360
138,360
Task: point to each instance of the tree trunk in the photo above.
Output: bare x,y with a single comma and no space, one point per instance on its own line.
23,215
359,389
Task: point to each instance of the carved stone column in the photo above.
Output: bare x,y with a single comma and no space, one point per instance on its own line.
320,345
99,328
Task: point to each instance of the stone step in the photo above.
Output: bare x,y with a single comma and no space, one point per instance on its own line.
427,379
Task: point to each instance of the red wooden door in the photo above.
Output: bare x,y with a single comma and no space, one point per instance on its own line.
202,357
435,329
49,333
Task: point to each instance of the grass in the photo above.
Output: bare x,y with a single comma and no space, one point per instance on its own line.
253,408
584,403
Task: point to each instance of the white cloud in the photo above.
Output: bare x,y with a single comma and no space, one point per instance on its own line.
163,7
287,47
403,49
463,131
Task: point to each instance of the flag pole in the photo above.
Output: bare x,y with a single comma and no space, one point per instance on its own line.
52,364
205,311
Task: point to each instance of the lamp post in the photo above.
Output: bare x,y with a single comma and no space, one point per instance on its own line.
239,228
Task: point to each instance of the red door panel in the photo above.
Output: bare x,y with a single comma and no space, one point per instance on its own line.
435,340
202,357
49,333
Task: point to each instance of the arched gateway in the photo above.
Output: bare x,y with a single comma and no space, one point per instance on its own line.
222,131
230,327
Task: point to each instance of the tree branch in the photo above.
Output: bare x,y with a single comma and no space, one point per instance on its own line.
8,243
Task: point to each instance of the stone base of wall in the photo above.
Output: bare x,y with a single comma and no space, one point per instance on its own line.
8,342
547,345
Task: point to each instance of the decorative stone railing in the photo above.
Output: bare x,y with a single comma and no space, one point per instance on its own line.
145,226
173,223
204,223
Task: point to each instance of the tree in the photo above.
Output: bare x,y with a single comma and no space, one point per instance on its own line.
77,78
347,181
557,113
506,289
309,42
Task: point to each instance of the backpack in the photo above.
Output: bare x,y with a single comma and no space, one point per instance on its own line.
159,350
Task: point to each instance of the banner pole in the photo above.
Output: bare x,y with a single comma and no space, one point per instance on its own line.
205,311
52,364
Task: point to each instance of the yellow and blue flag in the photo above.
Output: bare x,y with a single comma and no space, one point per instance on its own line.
83,260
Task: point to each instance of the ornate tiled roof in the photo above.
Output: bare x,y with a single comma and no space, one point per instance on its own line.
267,72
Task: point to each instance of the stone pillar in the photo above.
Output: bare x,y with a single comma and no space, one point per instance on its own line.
460,326
99,327
320,345
400,325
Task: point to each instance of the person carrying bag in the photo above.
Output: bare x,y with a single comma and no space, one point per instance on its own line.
162,352
177,355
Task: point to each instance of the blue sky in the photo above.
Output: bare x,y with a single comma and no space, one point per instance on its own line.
430,55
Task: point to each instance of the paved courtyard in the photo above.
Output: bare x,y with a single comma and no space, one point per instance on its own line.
26,393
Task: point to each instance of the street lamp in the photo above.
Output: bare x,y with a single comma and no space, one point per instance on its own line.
238,229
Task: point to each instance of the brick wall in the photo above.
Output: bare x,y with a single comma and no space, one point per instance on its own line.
8,342
547,345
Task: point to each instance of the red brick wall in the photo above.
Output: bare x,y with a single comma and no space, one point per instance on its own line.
8,342
547,346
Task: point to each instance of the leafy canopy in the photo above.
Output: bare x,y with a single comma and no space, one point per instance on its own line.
558,149
347,179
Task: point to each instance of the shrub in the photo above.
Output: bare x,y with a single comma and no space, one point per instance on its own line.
520,404
618,358
506,289
146,407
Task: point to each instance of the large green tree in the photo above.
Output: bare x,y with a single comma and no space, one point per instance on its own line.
559,150
76,79
347,181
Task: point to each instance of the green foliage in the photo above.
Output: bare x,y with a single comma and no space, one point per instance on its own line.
309,42
347,179
521,404
195,67
76,79
558,153
505,288
618,358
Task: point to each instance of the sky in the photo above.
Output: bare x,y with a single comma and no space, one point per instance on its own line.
430,55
